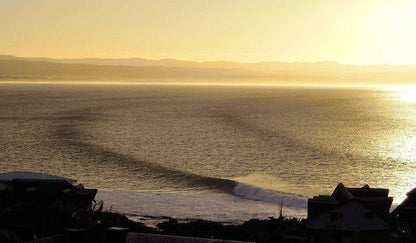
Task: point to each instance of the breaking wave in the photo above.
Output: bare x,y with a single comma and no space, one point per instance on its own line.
270,196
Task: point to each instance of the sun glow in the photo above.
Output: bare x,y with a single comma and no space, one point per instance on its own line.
405,93
388,28
407,96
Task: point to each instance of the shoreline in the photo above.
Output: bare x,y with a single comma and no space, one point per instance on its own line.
194,205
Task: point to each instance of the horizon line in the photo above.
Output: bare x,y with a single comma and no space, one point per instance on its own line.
214,61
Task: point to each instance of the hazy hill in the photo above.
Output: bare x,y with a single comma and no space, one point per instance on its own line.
39,70
12,68
137,62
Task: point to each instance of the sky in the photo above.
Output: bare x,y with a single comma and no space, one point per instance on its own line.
346,31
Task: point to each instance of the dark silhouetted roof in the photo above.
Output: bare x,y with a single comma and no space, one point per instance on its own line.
9,176
406,211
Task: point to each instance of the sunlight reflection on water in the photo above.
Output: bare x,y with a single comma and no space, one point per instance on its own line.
299,140
400,143
407,96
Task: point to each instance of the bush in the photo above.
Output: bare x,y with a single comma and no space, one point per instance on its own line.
270,230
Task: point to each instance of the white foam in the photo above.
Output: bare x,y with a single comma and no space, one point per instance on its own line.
270,196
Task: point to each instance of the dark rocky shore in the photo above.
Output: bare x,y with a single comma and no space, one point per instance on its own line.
41,208
30,221
36,206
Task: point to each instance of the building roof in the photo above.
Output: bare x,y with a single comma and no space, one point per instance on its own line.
9,176
407,209
343,193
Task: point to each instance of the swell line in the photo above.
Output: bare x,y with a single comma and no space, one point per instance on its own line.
68,134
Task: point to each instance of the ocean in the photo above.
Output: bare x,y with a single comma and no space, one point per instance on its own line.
223,153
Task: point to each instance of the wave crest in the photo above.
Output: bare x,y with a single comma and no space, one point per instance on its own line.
271,196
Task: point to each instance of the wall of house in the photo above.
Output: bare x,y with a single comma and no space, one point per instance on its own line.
355,217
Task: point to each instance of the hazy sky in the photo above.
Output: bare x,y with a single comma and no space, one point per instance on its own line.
348,31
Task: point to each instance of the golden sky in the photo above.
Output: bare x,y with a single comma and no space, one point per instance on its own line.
347,31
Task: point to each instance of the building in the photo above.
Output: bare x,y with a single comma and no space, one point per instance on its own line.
350,215
36,204
18,187
405,214
406,211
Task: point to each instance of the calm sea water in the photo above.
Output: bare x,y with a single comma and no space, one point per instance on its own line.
222,153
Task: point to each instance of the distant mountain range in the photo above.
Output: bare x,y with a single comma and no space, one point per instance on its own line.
138,69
